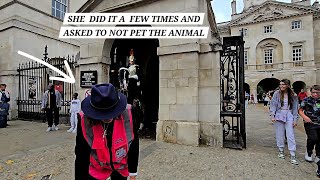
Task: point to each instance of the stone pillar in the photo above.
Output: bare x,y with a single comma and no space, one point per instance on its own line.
178,110
91,59
189,96
209,99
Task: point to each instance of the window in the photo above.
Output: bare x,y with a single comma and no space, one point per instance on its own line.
59,8
244,31
268,56
296,53
296,25
268,29
245,57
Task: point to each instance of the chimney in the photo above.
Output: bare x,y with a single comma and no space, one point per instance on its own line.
234,7
302,2
316,4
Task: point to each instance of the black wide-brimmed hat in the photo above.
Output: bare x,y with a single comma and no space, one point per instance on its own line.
104,103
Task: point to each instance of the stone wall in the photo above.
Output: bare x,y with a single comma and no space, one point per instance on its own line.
189,76
316,26
281,32
13,40
22,28
3,2
46,5
307,75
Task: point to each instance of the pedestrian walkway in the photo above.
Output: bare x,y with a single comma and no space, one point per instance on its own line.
33,153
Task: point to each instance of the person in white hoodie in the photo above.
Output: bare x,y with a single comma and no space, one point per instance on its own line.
75,108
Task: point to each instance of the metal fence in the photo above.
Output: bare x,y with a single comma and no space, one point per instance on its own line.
33,82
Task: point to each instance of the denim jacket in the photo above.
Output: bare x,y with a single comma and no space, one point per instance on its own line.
45,99
275,106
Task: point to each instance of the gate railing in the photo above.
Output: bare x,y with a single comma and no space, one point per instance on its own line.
232,110
33,82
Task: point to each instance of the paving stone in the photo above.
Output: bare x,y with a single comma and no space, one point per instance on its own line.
36,153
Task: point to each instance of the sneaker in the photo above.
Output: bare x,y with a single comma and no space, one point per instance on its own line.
281,155
307,157
294,160
56,128
74,131
318,173
49,129
70,130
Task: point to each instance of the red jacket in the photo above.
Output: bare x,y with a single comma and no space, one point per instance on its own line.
105,158
302,95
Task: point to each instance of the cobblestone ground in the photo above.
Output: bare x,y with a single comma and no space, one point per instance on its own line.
28,152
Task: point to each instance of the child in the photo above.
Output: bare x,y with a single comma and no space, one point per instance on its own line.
310,112
75,108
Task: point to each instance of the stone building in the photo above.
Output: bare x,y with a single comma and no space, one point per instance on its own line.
179,75
282,40
28,26
180,83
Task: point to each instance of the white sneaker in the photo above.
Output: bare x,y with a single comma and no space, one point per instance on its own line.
281,155
307,157
70,130
55,128
294,160
49,129
74,131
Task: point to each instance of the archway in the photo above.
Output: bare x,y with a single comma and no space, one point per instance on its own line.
271,47
145,52
266,85
298,85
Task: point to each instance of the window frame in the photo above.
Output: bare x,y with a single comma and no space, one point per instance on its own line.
295,54
270,59
294,26
245,32
59,8
269,30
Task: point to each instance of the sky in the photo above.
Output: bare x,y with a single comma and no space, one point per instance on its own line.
222,8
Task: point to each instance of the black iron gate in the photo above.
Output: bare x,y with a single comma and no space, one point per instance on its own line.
232,114
33,82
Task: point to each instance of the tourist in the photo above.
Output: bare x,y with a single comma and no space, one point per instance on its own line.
284,116
310,112
51,103
105,130
75,109
4,105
